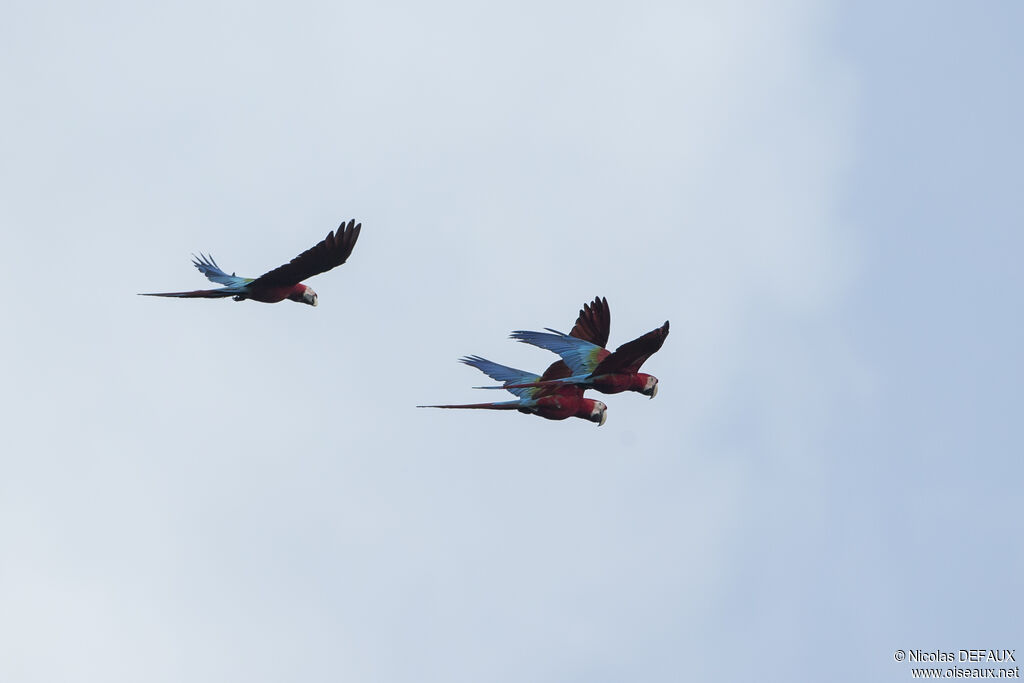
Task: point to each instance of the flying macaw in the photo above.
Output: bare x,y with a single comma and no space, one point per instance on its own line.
540,396
591,366
284,282
552,403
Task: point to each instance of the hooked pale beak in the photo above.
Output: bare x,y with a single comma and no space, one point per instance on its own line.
654,391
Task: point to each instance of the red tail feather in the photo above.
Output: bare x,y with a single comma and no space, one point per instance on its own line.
487,406
199,293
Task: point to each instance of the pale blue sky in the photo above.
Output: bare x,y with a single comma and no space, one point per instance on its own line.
821,197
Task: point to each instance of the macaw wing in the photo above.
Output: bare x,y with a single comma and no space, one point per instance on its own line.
560,389
580,355
208,267
631,355
331,252
556,370
593,323
504,374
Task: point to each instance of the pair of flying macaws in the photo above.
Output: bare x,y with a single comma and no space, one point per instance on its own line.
586,364
555,395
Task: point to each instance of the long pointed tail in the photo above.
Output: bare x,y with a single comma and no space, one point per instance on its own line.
502,405
199,293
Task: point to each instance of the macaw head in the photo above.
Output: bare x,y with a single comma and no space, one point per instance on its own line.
304,295
597,413
648,384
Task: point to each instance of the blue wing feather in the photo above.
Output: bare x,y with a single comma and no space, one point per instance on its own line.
504,374
581,356
208,267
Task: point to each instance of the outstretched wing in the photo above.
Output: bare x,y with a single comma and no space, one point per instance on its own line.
208,267
580,355
631,355
329,253
593,323
504,374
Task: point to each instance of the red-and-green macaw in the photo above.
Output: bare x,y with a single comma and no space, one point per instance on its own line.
591,366
536,394
553,403
284,282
